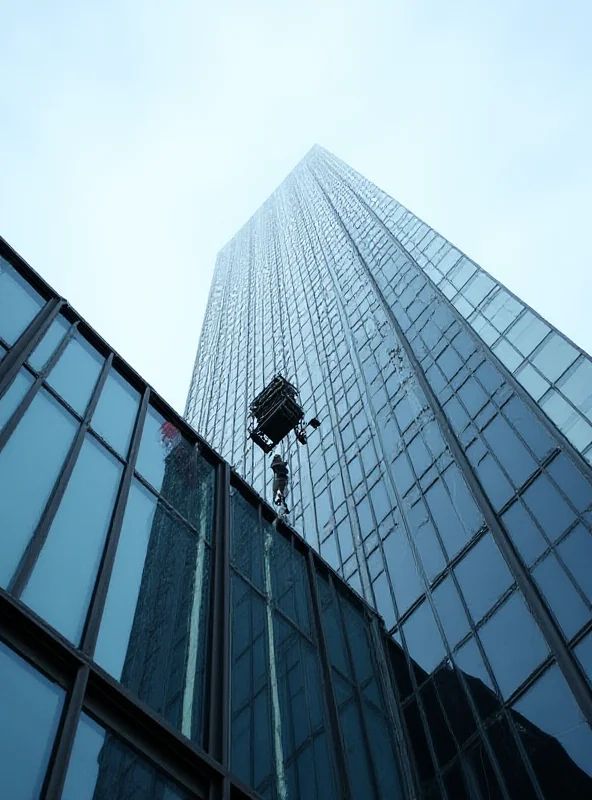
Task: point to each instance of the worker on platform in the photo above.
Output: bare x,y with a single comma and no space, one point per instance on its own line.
280,482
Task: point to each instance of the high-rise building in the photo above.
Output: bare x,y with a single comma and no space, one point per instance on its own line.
450,480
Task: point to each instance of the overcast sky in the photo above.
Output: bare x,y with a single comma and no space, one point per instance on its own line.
137,136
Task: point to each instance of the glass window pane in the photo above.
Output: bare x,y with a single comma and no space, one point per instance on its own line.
483,577
524,533
404,576
527,333
30,707
478,288
550,705
509,450
177,470
554,357
29,466
76,372
19,303
571,481
115,413
550,510
533,381
62,581
424,642
102,767
507,355
561,596
513,643
13,396
576,552
152,635
451,612
46,347
567,419
577,386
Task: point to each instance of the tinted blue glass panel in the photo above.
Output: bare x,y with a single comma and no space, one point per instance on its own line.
46,347
13,396
483,577
561,596
102,767
28,472
571,481
530,429
405,579
509,450
19,303
30,707
451,612
551,706
176,469
3,351
513,643
424,642
549,509
115,413
555,356
447,520
62,581
524,532
152,635
76,372
576,552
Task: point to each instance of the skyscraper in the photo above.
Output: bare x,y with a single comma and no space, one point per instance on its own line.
450,480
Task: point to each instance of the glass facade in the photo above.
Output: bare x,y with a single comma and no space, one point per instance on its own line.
449,483
162,633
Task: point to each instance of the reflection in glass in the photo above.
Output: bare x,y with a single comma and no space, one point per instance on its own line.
46,347
29,466
424,642
550,705
176,469
76,372
102,767
513,643
30,707
115,413
152,635
13,396
61,584
483,577
561,595
19,303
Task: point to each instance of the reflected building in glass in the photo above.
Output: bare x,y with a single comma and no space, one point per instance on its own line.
449,483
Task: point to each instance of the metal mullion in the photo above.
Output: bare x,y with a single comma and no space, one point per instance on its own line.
31,554
58,765
329,691
12,423
27,341
97,604
219,667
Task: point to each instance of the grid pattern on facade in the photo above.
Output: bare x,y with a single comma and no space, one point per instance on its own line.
445,485
162,633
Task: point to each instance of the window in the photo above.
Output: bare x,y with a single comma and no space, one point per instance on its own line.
555,356
550,510
103,767
527,333
513,643
451,612
116,412
152,635
561,596
29,466
31,706
424,642
12,398
483,577
76,372
45,349
550,705
19,303
61,584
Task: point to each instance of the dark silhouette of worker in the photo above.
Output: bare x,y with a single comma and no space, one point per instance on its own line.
280,482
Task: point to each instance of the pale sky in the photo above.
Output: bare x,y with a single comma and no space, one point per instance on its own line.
136,137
